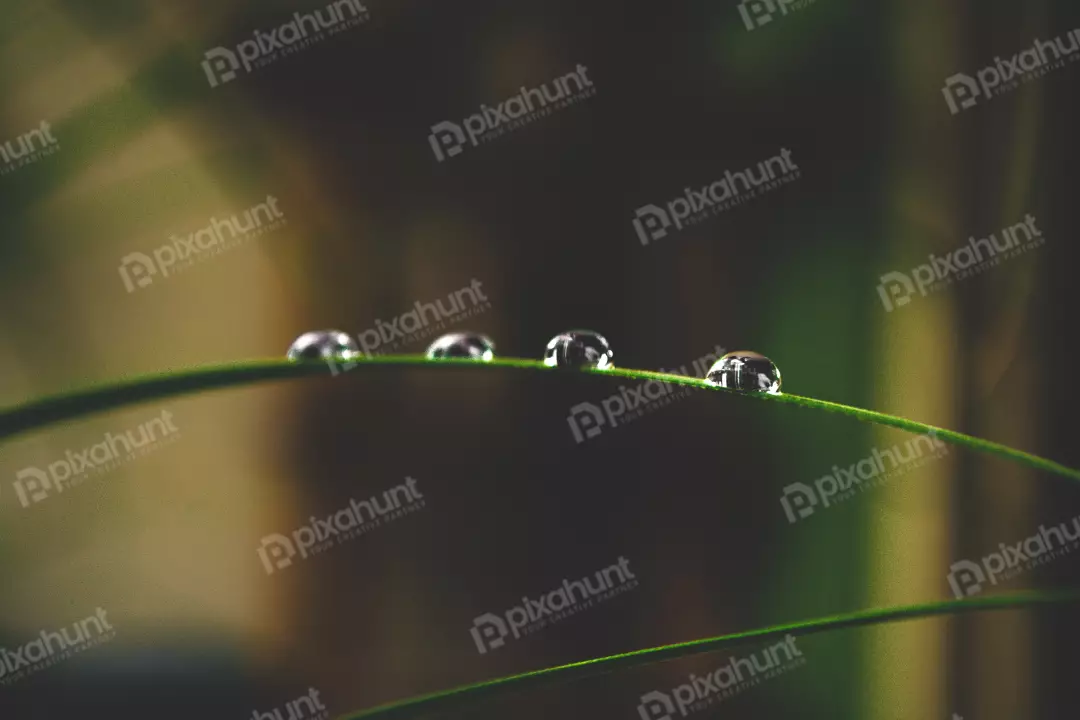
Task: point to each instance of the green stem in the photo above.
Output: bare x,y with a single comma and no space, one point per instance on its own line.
69,406
469,694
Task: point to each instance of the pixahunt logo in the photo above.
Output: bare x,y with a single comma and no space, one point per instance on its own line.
51,648
896,288
278,552
28,148
448,139
490,631
34,485
138,270
653,222
424,320
222,65
963,91
587,420
968,578
305,707
756,13
801,501
730,679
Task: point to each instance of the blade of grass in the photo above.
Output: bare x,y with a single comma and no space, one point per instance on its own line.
72,405
469,694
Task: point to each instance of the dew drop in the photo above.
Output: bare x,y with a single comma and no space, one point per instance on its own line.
577,350
464,346
746,372
324,345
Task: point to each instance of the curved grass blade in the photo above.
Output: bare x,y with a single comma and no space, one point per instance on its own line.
72,405
457,698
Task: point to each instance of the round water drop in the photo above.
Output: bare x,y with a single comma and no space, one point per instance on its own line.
323,345
746,372
579,349
464,346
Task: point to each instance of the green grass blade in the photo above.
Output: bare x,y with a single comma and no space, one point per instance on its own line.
459,697
72,405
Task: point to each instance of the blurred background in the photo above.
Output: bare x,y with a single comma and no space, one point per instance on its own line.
125,137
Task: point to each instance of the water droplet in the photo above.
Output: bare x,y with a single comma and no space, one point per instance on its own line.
579,349
327,345
464,346
745,371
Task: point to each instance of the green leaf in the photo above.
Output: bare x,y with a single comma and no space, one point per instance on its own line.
469,694
72,405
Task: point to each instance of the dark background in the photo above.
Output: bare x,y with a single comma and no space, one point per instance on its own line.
542,217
